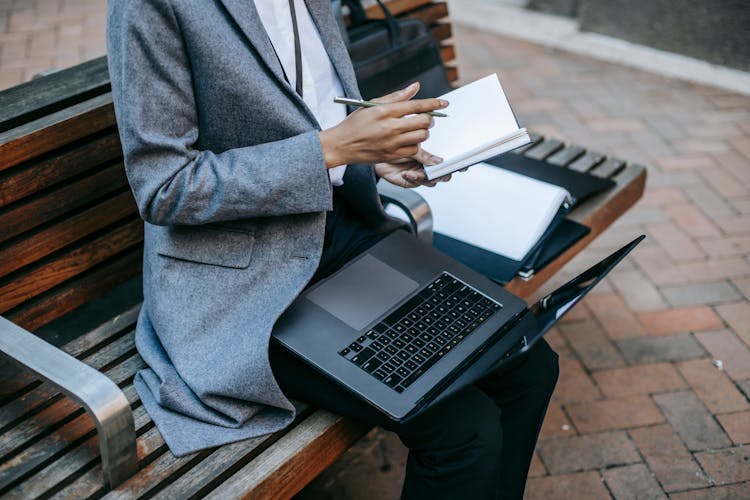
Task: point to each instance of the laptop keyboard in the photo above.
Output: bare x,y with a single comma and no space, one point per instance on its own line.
403,346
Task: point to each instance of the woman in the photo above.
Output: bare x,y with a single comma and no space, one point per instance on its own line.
252,184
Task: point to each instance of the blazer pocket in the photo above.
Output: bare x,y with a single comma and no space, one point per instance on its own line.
207,245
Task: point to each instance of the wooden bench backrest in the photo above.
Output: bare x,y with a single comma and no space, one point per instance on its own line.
69,228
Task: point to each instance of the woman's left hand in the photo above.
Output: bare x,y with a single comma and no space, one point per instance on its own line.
408,172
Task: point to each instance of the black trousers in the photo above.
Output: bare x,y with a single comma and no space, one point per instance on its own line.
476,444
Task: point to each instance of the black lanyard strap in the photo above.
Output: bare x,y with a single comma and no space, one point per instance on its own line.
297,50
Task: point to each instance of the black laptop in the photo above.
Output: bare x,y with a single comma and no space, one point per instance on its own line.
403,325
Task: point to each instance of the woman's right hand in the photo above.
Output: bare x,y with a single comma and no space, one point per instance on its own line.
384,133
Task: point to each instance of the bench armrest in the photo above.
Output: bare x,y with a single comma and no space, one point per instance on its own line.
102,399
416,208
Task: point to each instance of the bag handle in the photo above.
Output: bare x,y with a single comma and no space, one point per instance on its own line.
357,16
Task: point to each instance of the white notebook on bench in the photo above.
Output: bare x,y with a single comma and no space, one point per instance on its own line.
480,125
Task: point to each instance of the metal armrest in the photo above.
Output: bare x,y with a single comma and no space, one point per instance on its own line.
416,208
101,397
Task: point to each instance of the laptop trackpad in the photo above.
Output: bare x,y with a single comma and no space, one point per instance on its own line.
362,292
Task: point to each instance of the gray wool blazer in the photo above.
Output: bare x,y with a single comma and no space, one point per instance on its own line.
225,163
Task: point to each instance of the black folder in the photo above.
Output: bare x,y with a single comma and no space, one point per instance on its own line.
580,185
561,235
503,269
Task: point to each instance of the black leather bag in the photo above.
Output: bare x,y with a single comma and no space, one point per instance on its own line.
391,53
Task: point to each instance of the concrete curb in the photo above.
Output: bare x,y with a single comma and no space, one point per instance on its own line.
562,33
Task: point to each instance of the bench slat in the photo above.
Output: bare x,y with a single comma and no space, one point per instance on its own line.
397,7
430,13
442,31
42,96
609,168
543,149
70,264
56,130
77,292
587,161
301,454
31,214
46,241
566,155
35,176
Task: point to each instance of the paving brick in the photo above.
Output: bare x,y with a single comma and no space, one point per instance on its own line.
696,161
727,347
591,345
574,384
592,451
641,379
728,246
736,491
713,269
668,459
662,197
579,312
658,265
610,414
536,469
691,420
653,349
581,486
556,423
727,466
713,386
737,317
614,316
745,386
710,202
671,321
700,293
637,290
555,339
737,425
675,242
724,182
633,482
692,221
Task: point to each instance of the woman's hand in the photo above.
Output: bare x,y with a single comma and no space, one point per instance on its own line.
408,173
387,133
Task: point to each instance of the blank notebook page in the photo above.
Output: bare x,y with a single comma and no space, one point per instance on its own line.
478,115
493,208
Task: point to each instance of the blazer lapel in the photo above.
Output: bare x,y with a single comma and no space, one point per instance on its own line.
322,15
246,16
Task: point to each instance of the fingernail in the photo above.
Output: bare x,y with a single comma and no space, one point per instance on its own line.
443,103
436,159
411,86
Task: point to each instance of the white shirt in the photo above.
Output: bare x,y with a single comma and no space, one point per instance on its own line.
320,82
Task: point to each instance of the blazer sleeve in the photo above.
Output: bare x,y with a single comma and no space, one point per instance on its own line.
173,182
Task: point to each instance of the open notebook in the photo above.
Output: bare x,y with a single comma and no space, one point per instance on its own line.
492,208
480,124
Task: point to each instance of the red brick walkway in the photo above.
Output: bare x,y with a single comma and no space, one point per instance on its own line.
641,410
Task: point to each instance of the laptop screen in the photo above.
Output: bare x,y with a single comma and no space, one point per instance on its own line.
551,307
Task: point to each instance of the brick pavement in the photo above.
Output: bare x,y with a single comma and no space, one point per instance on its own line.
641,409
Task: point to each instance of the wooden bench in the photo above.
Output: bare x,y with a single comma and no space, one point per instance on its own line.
70,257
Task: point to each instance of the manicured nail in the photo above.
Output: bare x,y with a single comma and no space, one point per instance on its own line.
443,103
436,159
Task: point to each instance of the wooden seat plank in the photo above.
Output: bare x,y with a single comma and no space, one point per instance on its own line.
587,161
608,168
37,98
48,240
70,264
49,132
76,292
566,155
62,165
430,13
302,453
33,213
543,149
397,7
442,31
